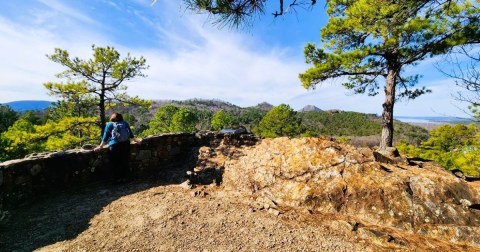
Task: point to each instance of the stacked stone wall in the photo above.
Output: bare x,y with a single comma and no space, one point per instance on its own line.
37,175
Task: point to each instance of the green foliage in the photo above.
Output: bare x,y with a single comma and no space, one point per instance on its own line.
448,138
93,86
25,137
453,147
369,40
204,119
184,120
280,121
309,133
17,140
221,119
7,117
100,84
340,124
204,109
170,118
355,125
131,119
75,99
409,133
67,133
161,121
237,12
250,117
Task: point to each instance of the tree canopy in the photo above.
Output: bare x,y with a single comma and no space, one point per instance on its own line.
7,117
161,121
452,146
92,87
16,142
279,121
96,83
221,119
241,12
370,41
170,118
184,120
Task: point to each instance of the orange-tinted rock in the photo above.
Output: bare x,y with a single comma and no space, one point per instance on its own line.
328,177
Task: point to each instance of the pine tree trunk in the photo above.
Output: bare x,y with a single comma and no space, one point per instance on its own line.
387,115
101,106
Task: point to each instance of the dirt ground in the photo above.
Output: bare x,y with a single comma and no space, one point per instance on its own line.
149,216
159,216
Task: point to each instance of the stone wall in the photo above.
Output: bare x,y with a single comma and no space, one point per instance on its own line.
40,174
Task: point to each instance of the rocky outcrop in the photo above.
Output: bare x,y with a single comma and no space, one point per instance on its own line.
322,176
310,108
389,199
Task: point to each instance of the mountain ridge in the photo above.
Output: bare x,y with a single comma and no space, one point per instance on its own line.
25,105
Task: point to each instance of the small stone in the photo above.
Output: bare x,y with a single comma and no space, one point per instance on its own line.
465,203
274,211
36,169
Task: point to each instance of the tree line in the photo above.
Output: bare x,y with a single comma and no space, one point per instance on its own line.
452,146
29,132
371,43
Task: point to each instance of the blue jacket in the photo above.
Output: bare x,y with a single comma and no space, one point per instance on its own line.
107,133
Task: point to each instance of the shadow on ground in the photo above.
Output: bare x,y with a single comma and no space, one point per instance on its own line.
64,215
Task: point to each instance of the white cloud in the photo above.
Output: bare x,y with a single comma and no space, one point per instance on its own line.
191,59
439,103
206,62
25,43
65,10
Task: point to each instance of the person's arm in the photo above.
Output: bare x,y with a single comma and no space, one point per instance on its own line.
100,146
135,141
104,138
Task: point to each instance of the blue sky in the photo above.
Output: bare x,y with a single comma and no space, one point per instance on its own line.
188,57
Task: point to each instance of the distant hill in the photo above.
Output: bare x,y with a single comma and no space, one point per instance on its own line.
20,106
264,106
310,108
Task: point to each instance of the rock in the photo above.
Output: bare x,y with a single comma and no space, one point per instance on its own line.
36,169
274,212
465,203
88,147
310,108
328,177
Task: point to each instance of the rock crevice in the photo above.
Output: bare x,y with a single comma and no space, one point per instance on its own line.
323,176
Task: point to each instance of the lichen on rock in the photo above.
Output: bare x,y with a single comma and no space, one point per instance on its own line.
329,177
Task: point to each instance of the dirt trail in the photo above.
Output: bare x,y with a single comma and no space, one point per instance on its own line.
147,217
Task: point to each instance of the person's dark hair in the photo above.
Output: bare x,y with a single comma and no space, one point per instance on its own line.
116,117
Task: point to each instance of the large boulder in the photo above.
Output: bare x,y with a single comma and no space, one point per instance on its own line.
320,175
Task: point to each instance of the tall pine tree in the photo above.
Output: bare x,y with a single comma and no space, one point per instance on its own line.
371,42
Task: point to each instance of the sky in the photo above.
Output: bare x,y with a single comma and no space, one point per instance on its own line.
188,56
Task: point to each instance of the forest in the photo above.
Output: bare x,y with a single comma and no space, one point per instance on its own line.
454,146
371,52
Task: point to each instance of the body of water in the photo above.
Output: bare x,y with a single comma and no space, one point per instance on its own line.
432,119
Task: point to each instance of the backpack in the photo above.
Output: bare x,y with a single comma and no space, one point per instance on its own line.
120,132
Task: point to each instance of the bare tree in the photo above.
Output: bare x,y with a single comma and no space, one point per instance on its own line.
464,67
